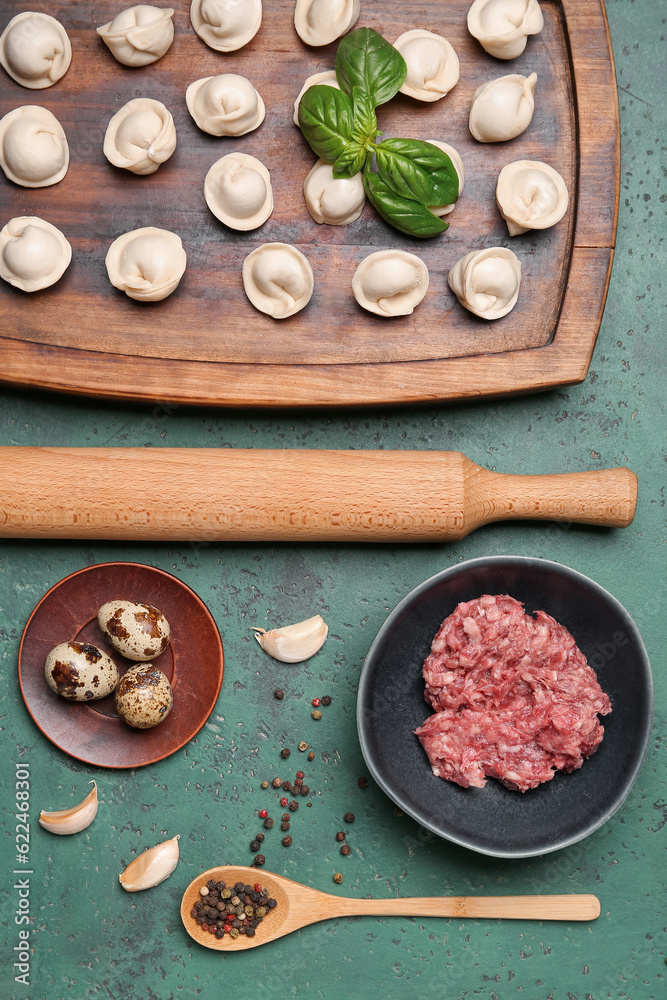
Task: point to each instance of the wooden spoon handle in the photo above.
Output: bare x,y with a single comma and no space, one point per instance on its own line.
572,907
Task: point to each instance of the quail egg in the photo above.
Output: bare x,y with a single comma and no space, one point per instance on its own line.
138,631
80,671
144,696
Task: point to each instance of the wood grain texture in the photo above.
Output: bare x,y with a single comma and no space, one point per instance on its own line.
298,906
205,343
291,495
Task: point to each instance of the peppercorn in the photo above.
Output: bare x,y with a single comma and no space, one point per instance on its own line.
287,841
265,784
297,785
304,790
277,782
259,858
311,755
235,900
219,933
287,785
326,700
239,886
315,703
226,893
268,822
260,837
284,825
204,891
263,814
338,878
346,849
349,817
210,884
283,802
362,782
285,752
272,903
285,817
309,804
247,889
300,774
294,805
234,933
340,836
279,694
316,715
303,746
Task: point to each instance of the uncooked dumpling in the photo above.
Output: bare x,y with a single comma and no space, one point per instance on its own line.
502,108
147,264
227,104
238,191
331,200
487,281
433,65
441,210
327,78
278,279
502,26
139,35
33,253
33,147
530,195
226,25
35,50
140,136
319,22
390,282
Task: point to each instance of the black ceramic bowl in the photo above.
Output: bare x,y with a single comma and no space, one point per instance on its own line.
494,820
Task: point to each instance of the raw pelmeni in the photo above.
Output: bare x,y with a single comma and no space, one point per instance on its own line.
140,136
35,50
147,264
227,104
325,79
454,156
530,195
226,25
278,279
330,200
502,26
487,281
503,108
238,191
319,22
390,282
139,35
433,65
33,147
33,253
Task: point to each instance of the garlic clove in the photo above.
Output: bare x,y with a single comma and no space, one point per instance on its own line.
152,867
294,643
71,820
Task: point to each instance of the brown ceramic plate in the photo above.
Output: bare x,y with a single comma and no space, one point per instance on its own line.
193,663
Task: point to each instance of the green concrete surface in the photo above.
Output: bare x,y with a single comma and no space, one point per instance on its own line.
89,939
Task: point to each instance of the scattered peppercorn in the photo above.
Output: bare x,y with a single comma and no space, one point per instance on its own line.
285,752
294,805
326,700
315,703
362,782
283,802
300,774
340,836
277,782
287,841
287,785
309,804
338,878
259,858
303,746
284,826
311,755
263,814
254,846
297,785
348,817
265,784
305,789
285,817
346,849
260,837
279,694
268,822
316,715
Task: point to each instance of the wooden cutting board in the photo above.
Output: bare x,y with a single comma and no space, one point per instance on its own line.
206,344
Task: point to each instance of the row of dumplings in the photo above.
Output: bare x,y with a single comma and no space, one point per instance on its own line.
148,264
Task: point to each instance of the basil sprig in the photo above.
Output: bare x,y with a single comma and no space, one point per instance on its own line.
403,178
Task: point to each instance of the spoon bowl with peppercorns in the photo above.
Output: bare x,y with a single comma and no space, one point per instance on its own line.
218,912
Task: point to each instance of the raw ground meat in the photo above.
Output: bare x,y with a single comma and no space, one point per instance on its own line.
514,697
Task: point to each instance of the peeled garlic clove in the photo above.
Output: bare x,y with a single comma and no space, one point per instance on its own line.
294,643
152,867
71,820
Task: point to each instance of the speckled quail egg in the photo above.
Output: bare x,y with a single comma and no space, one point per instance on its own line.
80,671
144,696
138,631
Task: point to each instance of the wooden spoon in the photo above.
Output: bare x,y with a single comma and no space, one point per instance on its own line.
298,906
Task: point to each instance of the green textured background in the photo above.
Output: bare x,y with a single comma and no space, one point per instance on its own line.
90,939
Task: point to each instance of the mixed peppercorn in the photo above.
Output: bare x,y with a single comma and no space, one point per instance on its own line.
234,910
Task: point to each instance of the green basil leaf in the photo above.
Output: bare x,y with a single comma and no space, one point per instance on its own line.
407,216
350,162
325,118
364,121
365,59
418,170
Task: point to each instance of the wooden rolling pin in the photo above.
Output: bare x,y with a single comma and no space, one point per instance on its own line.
218,494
